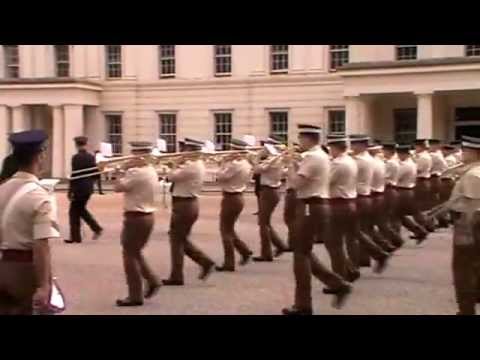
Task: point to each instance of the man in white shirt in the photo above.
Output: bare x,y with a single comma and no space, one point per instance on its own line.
448,180
465,204
363,241
312,187
290,202
439,165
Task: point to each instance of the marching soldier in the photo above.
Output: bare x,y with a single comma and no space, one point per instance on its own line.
271,173
342,203
439,165
79,193
405,187
188,180
383,233
447,180
311,185
27,226
290,202
423,190
138,186
449,155
362,247
458,153
233,178
465,204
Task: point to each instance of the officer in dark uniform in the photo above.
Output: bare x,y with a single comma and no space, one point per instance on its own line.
80,192
9,167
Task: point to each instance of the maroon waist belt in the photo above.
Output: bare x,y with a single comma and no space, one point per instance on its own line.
232,193
25,256
377,193
314,200
434,176
423,179
341,201
136,213
178,198
269,187
364,196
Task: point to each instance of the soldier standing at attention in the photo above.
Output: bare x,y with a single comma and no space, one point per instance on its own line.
271,173
188,179
311,184
465,204
342,203
27,224
363,247
233,178
80,192
138,187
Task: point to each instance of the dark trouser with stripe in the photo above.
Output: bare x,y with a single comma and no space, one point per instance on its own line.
289,215
424,202
385,232
407,206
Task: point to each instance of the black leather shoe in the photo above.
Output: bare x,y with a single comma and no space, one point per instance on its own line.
223,268
278,253
288,250
294,311
66,241
420,238
329,291
152,290
353,276
170,282
128,303
381,265
97,235
261,259
341,297
206,271
245,260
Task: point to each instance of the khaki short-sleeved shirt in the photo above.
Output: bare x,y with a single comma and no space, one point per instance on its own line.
379,174
365,165
439,165
188,179
315,170
343,177
270,174
139,186
467,192
407,174
32,218
235,176
424,164
392,166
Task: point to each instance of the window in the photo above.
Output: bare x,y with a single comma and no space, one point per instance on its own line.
279,58
405,125
406,52
279,124
114,132
223,60
114,61
11,61
62,60
472,50
167,60
168,130
339,55
336,122
223,130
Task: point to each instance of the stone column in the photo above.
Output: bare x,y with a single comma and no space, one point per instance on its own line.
355,109
73,125
3,132
19,121
58,145
425,116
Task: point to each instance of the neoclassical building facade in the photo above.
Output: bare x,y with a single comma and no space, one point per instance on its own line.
120,93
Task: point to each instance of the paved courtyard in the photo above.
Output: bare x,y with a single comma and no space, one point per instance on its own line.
417,282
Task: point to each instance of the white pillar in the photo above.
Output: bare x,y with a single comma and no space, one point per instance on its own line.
425,116
19,121
58,145
94,127
3,132
73,125
355,112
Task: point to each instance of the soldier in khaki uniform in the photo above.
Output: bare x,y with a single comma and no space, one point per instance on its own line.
405,186
271,173
233,177
138,186
447,180
362,247
188,180
27,215
465,205
311,184
439,165
290,202
342,203
392,166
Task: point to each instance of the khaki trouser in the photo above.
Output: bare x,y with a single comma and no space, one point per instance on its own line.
137,228
185,213
341,226
289,215
382,216
17,287
269,199
230,209
305,262
425,200
466,267
407,207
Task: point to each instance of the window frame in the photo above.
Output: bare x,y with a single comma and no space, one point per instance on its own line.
8,65
217,56
109,134
333,67
226,136
272,55
284,134
171,145
474,49
109,63
405,57
329,121
60,62
162,58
